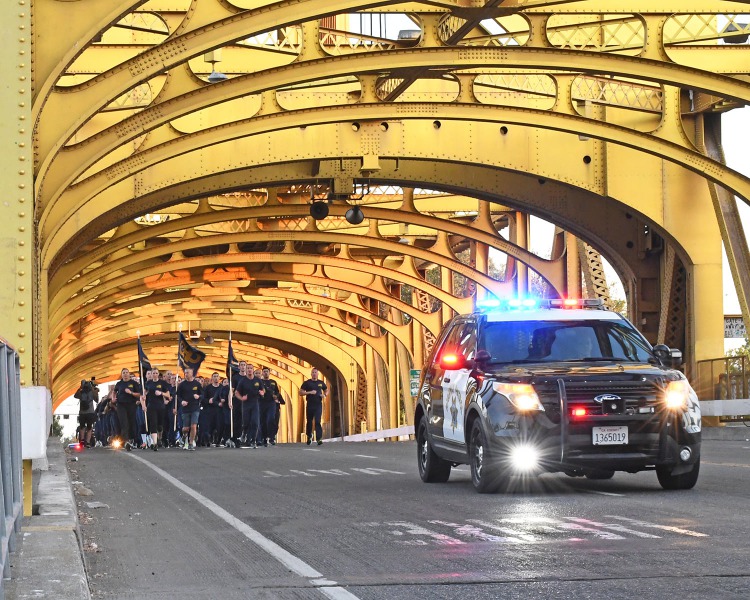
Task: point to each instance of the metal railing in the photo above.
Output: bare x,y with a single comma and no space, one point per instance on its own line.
10,457
724,382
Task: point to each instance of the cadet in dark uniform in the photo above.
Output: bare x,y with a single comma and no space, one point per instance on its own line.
269,408
157,392
314,390
250,391
87,396
211,411
266,409
189,393
127,393
223,427
237,403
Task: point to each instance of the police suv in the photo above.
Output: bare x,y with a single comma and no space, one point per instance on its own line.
526,386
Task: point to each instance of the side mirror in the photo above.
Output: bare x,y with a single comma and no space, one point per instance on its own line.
482,356
670,357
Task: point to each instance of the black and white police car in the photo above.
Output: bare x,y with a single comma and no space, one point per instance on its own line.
527,386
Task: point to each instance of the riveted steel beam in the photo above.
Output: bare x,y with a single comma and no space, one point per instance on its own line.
75,160
19,299
488,237
669,150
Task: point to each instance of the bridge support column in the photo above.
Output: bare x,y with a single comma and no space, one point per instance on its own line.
19,293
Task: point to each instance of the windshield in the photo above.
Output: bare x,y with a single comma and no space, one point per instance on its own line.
554,341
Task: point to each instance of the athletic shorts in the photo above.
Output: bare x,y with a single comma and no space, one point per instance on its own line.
190,417
87,419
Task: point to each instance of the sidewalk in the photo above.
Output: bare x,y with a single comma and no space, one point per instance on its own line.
49,563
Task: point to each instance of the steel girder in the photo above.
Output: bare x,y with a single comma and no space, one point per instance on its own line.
211,25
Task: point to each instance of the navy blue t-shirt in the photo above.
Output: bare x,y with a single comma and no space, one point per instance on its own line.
314,385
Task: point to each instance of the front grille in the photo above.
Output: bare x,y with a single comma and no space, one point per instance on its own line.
635,395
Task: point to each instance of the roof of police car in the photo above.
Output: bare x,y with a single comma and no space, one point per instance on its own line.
552,314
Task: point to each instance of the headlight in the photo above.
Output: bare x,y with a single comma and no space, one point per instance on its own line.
524,458
676,395
521,395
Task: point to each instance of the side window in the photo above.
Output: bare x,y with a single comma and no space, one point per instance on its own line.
467,340
457,341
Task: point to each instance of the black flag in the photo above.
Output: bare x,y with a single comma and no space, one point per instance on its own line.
144,364
233,364
189,357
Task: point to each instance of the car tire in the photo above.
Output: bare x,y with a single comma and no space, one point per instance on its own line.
484,475
683,481
432,468
599,474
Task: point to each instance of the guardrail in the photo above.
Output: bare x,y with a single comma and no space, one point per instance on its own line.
727,411
10,457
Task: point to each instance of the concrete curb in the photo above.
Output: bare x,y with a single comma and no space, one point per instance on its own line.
50,560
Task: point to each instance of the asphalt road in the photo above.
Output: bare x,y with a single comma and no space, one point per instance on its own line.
347,521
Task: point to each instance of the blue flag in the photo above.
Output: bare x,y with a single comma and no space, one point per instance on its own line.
233,364
144,364
189,357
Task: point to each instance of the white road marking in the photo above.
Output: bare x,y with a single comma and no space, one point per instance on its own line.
367,471
330,472
604,493
655,526
365,456
272,474
474,531
516,535
414,529
306,474
614,527
387,471
327,587
375,471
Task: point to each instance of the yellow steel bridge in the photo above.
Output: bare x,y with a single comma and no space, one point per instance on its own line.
160,159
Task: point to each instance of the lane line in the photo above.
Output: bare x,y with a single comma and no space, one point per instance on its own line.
715,464
604,493
671,528
365,456
296,565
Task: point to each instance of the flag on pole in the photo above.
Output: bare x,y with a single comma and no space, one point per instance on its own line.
233,365
144,364
189,357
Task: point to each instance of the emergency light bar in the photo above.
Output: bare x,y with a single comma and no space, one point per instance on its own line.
489,304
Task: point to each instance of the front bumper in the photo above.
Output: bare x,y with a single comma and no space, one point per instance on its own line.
653,440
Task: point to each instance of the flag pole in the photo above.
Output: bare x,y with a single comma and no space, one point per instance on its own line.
176,383
143,381
230,399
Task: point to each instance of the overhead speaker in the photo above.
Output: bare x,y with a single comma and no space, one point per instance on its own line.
354,215
319,210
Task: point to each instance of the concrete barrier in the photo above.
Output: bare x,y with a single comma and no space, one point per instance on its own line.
381,434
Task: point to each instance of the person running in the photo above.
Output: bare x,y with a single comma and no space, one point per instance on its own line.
269,408
87,397
157,391
224,425
127,393
314,391
238,403
189,394
250,391
211,411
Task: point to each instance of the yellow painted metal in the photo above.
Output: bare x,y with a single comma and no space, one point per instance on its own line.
18,299
551,118
28,488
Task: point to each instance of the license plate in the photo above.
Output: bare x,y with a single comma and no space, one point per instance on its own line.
609,436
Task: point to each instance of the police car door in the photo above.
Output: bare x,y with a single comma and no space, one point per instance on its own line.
458,384
434,378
